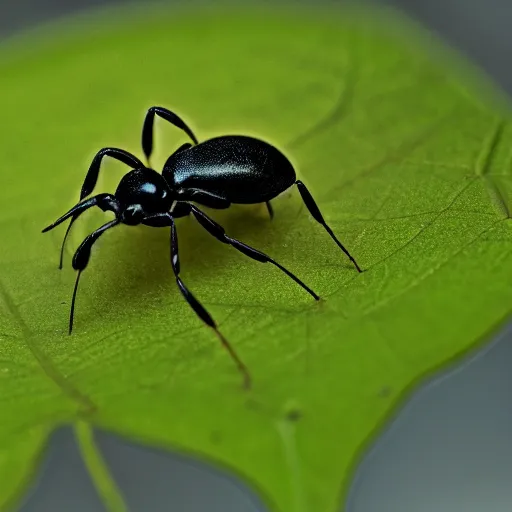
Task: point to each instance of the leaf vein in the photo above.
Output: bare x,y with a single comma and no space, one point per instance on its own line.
42,359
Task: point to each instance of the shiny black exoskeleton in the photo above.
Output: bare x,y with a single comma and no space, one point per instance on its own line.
215,173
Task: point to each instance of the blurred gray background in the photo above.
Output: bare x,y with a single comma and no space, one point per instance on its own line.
450,447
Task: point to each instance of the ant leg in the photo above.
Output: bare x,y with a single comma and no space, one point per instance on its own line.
161,220
199,308
218,232
107,202
147,129
315,212
91,179
81,259
270,209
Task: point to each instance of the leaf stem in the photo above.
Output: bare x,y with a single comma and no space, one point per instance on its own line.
97,468
287,434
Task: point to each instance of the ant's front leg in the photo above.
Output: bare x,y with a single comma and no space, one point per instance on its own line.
107,202
81,259
91,178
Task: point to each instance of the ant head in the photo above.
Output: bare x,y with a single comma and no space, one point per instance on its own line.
142,192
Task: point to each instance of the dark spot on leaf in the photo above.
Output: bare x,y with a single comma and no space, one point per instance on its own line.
215,437
385,391
293,414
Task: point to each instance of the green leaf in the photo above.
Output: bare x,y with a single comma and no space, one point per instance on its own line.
409,168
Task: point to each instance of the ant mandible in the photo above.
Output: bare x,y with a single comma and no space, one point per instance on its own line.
225,170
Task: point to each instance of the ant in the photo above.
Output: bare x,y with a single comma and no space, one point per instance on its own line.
215,173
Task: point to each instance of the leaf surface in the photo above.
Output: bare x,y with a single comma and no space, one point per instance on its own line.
410,169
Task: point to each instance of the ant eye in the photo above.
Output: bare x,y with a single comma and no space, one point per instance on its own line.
133,214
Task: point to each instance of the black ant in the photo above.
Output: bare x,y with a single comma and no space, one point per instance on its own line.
215,173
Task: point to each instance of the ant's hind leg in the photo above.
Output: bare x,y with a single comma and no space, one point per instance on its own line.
315,212
270,210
